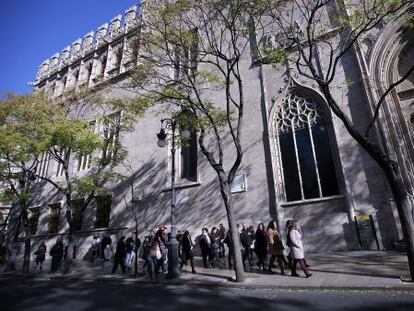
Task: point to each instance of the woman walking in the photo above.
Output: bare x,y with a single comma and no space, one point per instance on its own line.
187,251
260,245
297,250
275,247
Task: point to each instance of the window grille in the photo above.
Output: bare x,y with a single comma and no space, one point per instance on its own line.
54,218
103,211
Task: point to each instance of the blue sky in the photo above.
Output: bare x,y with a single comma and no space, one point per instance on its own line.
33,30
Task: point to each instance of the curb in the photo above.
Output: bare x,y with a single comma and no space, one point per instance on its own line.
408,287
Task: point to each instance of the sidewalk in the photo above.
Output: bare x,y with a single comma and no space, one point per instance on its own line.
345,270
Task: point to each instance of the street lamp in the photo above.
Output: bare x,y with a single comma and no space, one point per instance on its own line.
173,271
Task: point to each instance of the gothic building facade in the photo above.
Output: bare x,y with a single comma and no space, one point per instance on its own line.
299,160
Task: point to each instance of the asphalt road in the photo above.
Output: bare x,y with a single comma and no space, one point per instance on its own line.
59,295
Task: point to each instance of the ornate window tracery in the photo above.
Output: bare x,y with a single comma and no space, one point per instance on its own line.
304,149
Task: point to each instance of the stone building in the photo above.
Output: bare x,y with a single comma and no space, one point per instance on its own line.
299,160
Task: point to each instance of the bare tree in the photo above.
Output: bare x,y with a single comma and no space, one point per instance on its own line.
190,55
304,32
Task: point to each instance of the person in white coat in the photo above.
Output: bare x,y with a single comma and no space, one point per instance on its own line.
297,250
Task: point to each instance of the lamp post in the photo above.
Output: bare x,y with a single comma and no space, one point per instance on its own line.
173,271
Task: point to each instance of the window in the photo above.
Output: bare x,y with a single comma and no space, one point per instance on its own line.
189,158
77,214
103,211
54,217
59,168
84,160
34,214
185,57
305,150
111,126
43,164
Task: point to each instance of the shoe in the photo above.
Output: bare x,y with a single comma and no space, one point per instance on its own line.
309,275
282,273
193,272
295,274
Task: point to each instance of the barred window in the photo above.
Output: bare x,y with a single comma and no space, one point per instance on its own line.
305,150
84,160
54,217
59,168
43,164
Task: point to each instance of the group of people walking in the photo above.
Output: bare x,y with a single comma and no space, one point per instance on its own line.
262,242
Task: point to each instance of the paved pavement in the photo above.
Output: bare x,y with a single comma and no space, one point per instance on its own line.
356,270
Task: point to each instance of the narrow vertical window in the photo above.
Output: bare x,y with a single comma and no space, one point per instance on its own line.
305,150
54,217
189,158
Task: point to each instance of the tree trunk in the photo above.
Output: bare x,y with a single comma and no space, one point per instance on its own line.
68,260
238,262
405,206
27,248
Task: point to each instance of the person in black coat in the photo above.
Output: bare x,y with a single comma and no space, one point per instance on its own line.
246,239
205,246
229,241
260,245
120,253
187,251
57,254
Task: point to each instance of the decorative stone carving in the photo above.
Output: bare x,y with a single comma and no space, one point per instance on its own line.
54,63
87,43
116,28
131,17
101,34
297,112
75,50
64,57
43,70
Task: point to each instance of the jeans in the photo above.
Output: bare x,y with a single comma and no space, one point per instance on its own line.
129,259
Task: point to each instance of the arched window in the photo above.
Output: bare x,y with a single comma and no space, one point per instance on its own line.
305,150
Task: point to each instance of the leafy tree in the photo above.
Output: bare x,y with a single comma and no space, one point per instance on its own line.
190,55
96,146
23,138
303,34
